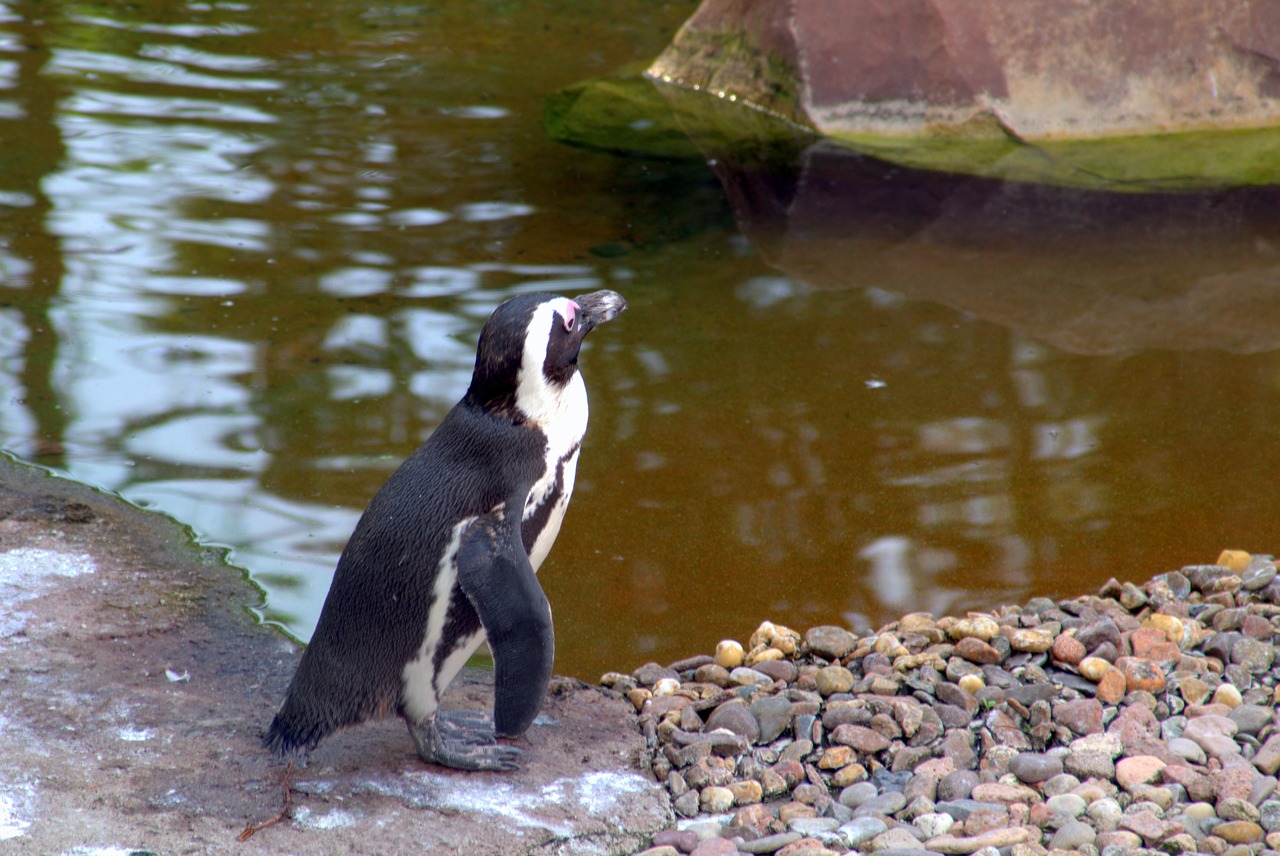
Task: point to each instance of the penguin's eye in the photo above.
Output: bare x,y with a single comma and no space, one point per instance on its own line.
570,316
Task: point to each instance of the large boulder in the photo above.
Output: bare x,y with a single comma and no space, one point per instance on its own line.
1124,94
1029,69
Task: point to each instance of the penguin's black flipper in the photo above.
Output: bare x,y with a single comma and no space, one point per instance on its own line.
495,574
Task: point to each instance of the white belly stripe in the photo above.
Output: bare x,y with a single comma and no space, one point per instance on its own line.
419,675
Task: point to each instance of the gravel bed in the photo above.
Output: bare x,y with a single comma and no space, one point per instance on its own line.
1142,719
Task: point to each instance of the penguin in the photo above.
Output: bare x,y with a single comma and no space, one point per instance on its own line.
446,554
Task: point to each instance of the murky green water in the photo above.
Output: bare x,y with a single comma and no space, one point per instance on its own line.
245,252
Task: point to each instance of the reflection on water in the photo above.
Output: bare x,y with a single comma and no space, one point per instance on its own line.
243,263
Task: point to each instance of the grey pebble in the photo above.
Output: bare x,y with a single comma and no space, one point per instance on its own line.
770,843
1187,750
857,794
1252,654
1257,576
861,830
1034,767
1269,815
1091,765
1251,718
1070,805
1029,694
1178,584
887,803
650,673
1072,835
773,715
813,826
686,805
1263,788
1062,784
957,785
961,809
734,716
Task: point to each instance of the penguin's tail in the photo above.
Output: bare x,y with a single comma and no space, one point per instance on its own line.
292,734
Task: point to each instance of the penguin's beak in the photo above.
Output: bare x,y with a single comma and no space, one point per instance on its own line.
597,308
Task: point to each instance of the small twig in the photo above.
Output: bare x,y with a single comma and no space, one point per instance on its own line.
284,812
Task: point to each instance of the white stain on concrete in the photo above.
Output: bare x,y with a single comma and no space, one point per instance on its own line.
129,734
17,806
336,819
25,573
28,569
593,795
599,792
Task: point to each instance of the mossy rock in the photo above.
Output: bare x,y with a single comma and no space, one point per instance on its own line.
1201,160
638,115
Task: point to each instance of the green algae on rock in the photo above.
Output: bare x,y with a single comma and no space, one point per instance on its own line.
1119,98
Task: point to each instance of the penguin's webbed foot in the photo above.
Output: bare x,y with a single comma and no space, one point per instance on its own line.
463,740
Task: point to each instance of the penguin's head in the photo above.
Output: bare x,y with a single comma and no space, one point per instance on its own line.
527,357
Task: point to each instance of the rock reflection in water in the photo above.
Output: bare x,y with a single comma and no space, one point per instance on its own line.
1085,271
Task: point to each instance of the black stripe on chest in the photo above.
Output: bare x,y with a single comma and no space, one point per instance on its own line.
531,527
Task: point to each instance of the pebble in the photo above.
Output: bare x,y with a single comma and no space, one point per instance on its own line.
683,840
715,799
729,654
1144,716
1035,767
770,843
715,847
830,643
1072,835
834,679
1139,769
861,830
1188,750
1238,831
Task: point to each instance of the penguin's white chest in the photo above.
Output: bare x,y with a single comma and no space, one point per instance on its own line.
564,427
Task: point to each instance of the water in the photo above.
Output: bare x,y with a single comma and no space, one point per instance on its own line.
245,253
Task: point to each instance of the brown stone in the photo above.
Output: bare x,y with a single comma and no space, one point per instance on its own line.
1238,831
788,812
1197,784
1193,690
746,792
1268,757
806,847
1151,643
975,650
1112,687
716,847
1067,649
1134,723
1141,674
773,784
791,772
1082,716
836,757
860,738
995,838
998,792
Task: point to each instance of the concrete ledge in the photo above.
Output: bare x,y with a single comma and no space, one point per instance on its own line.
134,687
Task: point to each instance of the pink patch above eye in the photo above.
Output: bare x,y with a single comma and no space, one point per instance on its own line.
570,313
